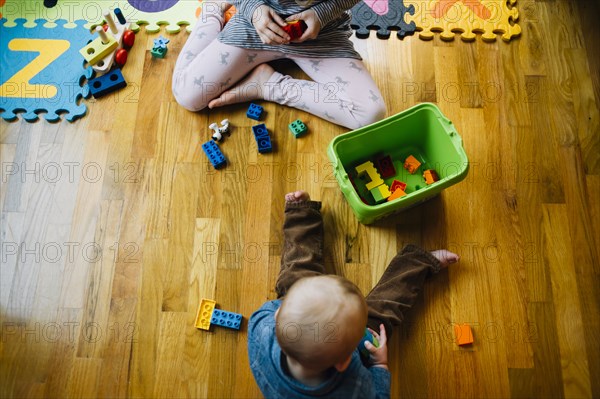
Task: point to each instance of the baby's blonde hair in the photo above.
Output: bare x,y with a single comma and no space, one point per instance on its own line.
321,321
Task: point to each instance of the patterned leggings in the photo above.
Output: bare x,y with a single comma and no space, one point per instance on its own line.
342,90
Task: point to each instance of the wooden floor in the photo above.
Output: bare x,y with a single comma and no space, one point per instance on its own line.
114,227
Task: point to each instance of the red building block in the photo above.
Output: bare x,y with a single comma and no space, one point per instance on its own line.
386,167
397,184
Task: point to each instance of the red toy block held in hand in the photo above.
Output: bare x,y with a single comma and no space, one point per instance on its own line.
295,29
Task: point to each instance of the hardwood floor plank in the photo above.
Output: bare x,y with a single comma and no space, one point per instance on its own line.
575,371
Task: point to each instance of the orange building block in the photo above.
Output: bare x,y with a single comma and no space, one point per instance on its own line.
411,164
396,194
463,334
430,176
205,311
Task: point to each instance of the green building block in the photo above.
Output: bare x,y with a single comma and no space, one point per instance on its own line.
380,193
298,128
158,52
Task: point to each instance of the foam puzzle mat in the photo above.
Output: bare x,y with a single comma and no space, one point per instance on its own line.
42,71
489,18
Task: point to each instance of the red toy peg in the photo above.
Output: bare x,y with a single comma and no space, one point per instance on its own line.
121,57
128,38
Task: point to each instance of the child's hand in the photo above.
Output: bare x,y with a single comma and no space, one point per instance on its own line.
378,355
313,24
268,26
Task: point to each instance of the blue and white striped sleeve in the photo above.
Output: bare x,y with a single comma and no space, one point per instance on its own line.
247,7
328,11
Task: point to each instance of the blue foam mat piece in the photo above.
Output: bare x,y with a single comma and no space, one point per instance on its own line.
67,72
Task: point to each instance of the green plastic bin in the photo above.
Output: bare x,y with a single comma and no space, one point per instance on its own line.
422,131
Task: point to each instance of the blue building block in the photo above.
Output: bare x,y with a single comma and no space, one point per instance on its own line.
298,128
264,144
254,111
108,83
226,319
214,154
159,52
260,131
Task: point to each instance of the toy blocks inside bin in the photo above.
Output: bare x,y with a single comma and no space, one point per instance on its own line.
205,312
298,128
430,176
380,193
227,319
214,154
368,169
385,165
411,164
397,184
254,111
398,193
463,334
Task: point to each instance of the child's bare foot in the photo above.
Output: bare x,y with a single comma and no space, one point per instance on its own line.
249,88
445,257
297,196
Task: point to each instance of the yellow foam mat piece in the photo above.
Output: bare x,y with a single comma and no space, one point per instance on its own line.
467,18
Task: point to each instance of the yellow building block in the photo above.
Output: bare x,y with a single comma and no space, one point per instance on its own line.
97,49
381,193
370,170
205,312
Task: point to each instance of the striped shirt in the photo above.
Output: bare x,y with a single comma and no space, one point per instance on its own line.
333,40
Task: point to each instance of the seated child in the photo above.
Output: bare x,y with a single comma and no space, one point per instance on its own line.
305,343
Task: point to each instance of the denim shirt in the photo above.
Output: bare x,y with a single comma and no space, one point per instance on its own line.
266,362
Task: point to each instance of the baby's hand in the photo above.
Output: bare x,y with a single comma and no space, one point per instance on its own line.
378,355
268,26
313,24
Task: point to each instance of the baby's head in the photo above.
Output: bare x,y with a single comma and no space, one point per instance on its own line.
321,321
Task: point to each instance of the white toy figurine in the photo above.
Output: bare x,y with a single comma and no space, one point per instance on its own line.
220,131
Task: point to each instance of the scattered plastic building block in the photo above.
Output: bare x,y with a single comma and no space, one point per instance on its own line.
463,333
99,47
227,319
263,140
205,311
369,169
214,154
430,176
158,52
295,29
370,338
397,184
264,144
411,164
161,42
260,130
381,193
108,83
298,128
254,111
386,167
396,194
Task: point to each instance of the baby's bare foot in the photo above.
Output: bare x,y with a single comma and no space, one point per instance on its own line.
445,257
297,196
248,89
